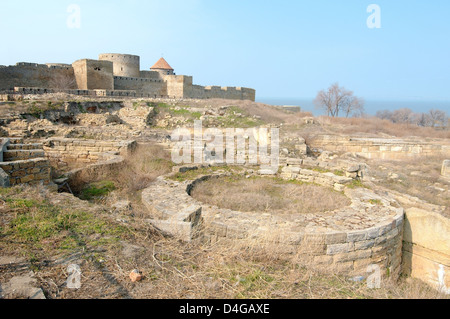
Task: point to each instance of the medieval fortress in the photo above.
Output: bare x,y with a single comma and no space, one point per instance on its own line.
112,75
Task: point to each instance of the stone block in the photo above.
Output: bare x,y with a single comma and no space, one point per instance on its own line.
18,173
358,235
178,229
353,255
336,238
373,233
338,249
27,179
365,244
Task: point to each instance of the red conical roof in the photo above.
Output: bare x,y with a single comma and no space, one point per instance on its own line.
162,65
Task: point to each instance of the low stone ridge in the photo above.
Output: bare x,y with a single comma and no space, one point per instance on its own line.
172,209
382,148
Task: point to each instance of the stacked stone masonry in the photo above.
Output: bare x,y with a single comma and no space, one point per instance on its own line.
379,148
23,163
61,151
375,238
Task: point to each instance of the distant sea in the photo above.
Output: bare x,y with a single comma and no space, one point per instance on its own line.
371,106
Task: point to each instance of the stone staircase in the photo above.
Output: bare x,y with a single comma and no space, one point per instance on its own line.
16,150
23,163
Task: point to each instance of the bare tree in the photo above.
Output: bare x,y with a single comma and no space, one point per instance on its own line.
434,118
384,115
437,118
62,81
422,119
404,115
337,99
354,105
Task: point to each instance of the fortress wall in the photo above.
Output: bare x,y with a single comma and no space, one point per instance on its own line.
125,65
33,75
150,87
93,75
177,85
150,75
217,92
249,94
377,148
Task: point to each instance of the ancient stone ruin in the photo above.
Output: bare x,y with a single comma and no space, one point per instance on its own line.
396,232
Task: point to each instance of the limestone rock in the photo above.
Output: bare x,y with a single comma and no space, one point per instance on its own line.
22,287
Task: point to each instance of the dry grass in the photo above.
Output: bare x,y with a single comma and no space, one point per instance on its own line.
267,113
128,180
375,126
268,195
241,269
416,177
142,167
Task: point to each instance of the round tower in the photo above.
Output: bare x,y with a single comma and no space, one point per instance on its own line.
125,65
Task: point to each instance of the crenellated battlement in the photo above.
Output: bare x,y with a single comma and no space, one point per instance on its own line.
111,72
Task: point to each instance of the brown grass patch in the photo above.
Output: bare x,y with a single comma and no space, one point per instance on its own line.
375,126
268,195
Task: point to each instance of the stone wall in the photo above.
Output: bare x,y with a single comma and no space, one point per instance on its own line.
380,148
181,86
150,75
34,75
22,154
339,249
63,151
30,171
426,248
93,74
151,87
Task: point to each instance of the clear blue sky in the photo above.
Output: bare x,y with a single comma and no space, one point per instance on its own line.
286,49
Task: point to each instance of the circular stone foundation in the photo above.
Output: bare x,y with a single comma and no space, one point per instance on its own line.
366,232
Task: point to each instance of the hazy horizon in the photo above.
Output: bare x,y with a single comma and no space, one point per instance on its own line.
371,106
